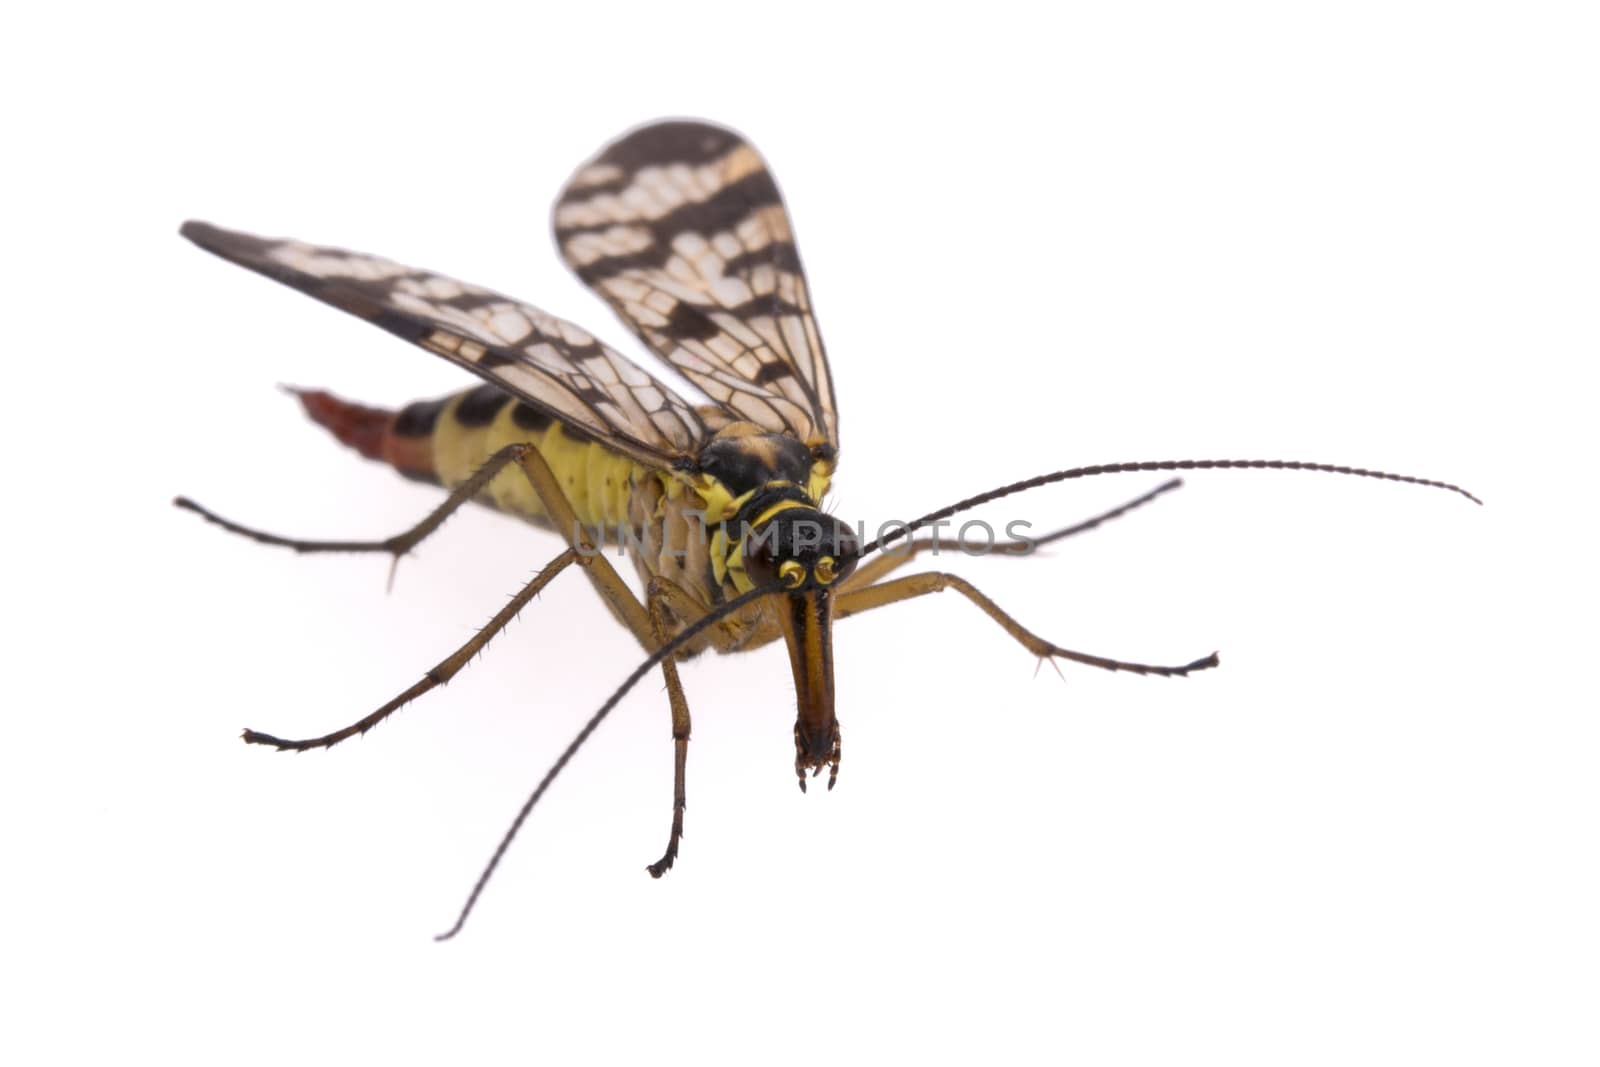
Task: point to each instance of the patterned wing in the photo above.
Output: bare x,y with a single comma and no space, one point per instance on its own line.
547,362
681,228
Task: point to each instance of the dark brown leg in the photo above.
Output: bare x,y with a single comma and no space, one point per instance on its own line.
397,545
445,670
657,601
915,585
672,608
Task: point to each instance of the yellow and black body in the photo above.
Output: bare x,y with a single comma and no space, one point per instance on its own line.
744,511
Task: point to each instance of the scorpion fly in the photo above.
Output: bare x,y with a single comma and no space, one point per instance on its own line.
679,226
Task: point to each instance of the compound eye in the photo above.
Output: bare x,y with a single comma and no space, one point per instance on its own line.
792,574
824,570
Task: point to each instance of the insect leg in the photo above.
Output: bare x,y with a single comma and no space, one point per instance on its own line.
896,556
671,609
666,600
915,585
445,670
579,550
397,545
623,604
607,582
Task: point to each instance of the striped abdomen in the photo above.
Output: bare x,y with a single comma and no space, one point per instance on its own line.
659,521
445,441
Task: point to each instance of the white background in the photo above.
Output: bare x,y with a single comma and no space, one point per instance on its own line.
1364,235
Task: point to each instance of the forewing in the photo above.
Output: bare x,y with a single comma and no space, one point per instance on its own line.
547,362
680,227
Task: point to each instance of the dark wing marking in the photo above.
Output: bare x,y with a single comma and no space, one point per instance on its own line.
547,362
680,227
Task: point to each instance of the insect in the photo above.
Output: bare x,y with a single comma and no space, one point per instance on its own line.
679,226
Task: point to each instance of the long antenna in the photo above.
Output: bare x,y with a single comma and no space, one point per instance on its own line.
905,529
671,648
